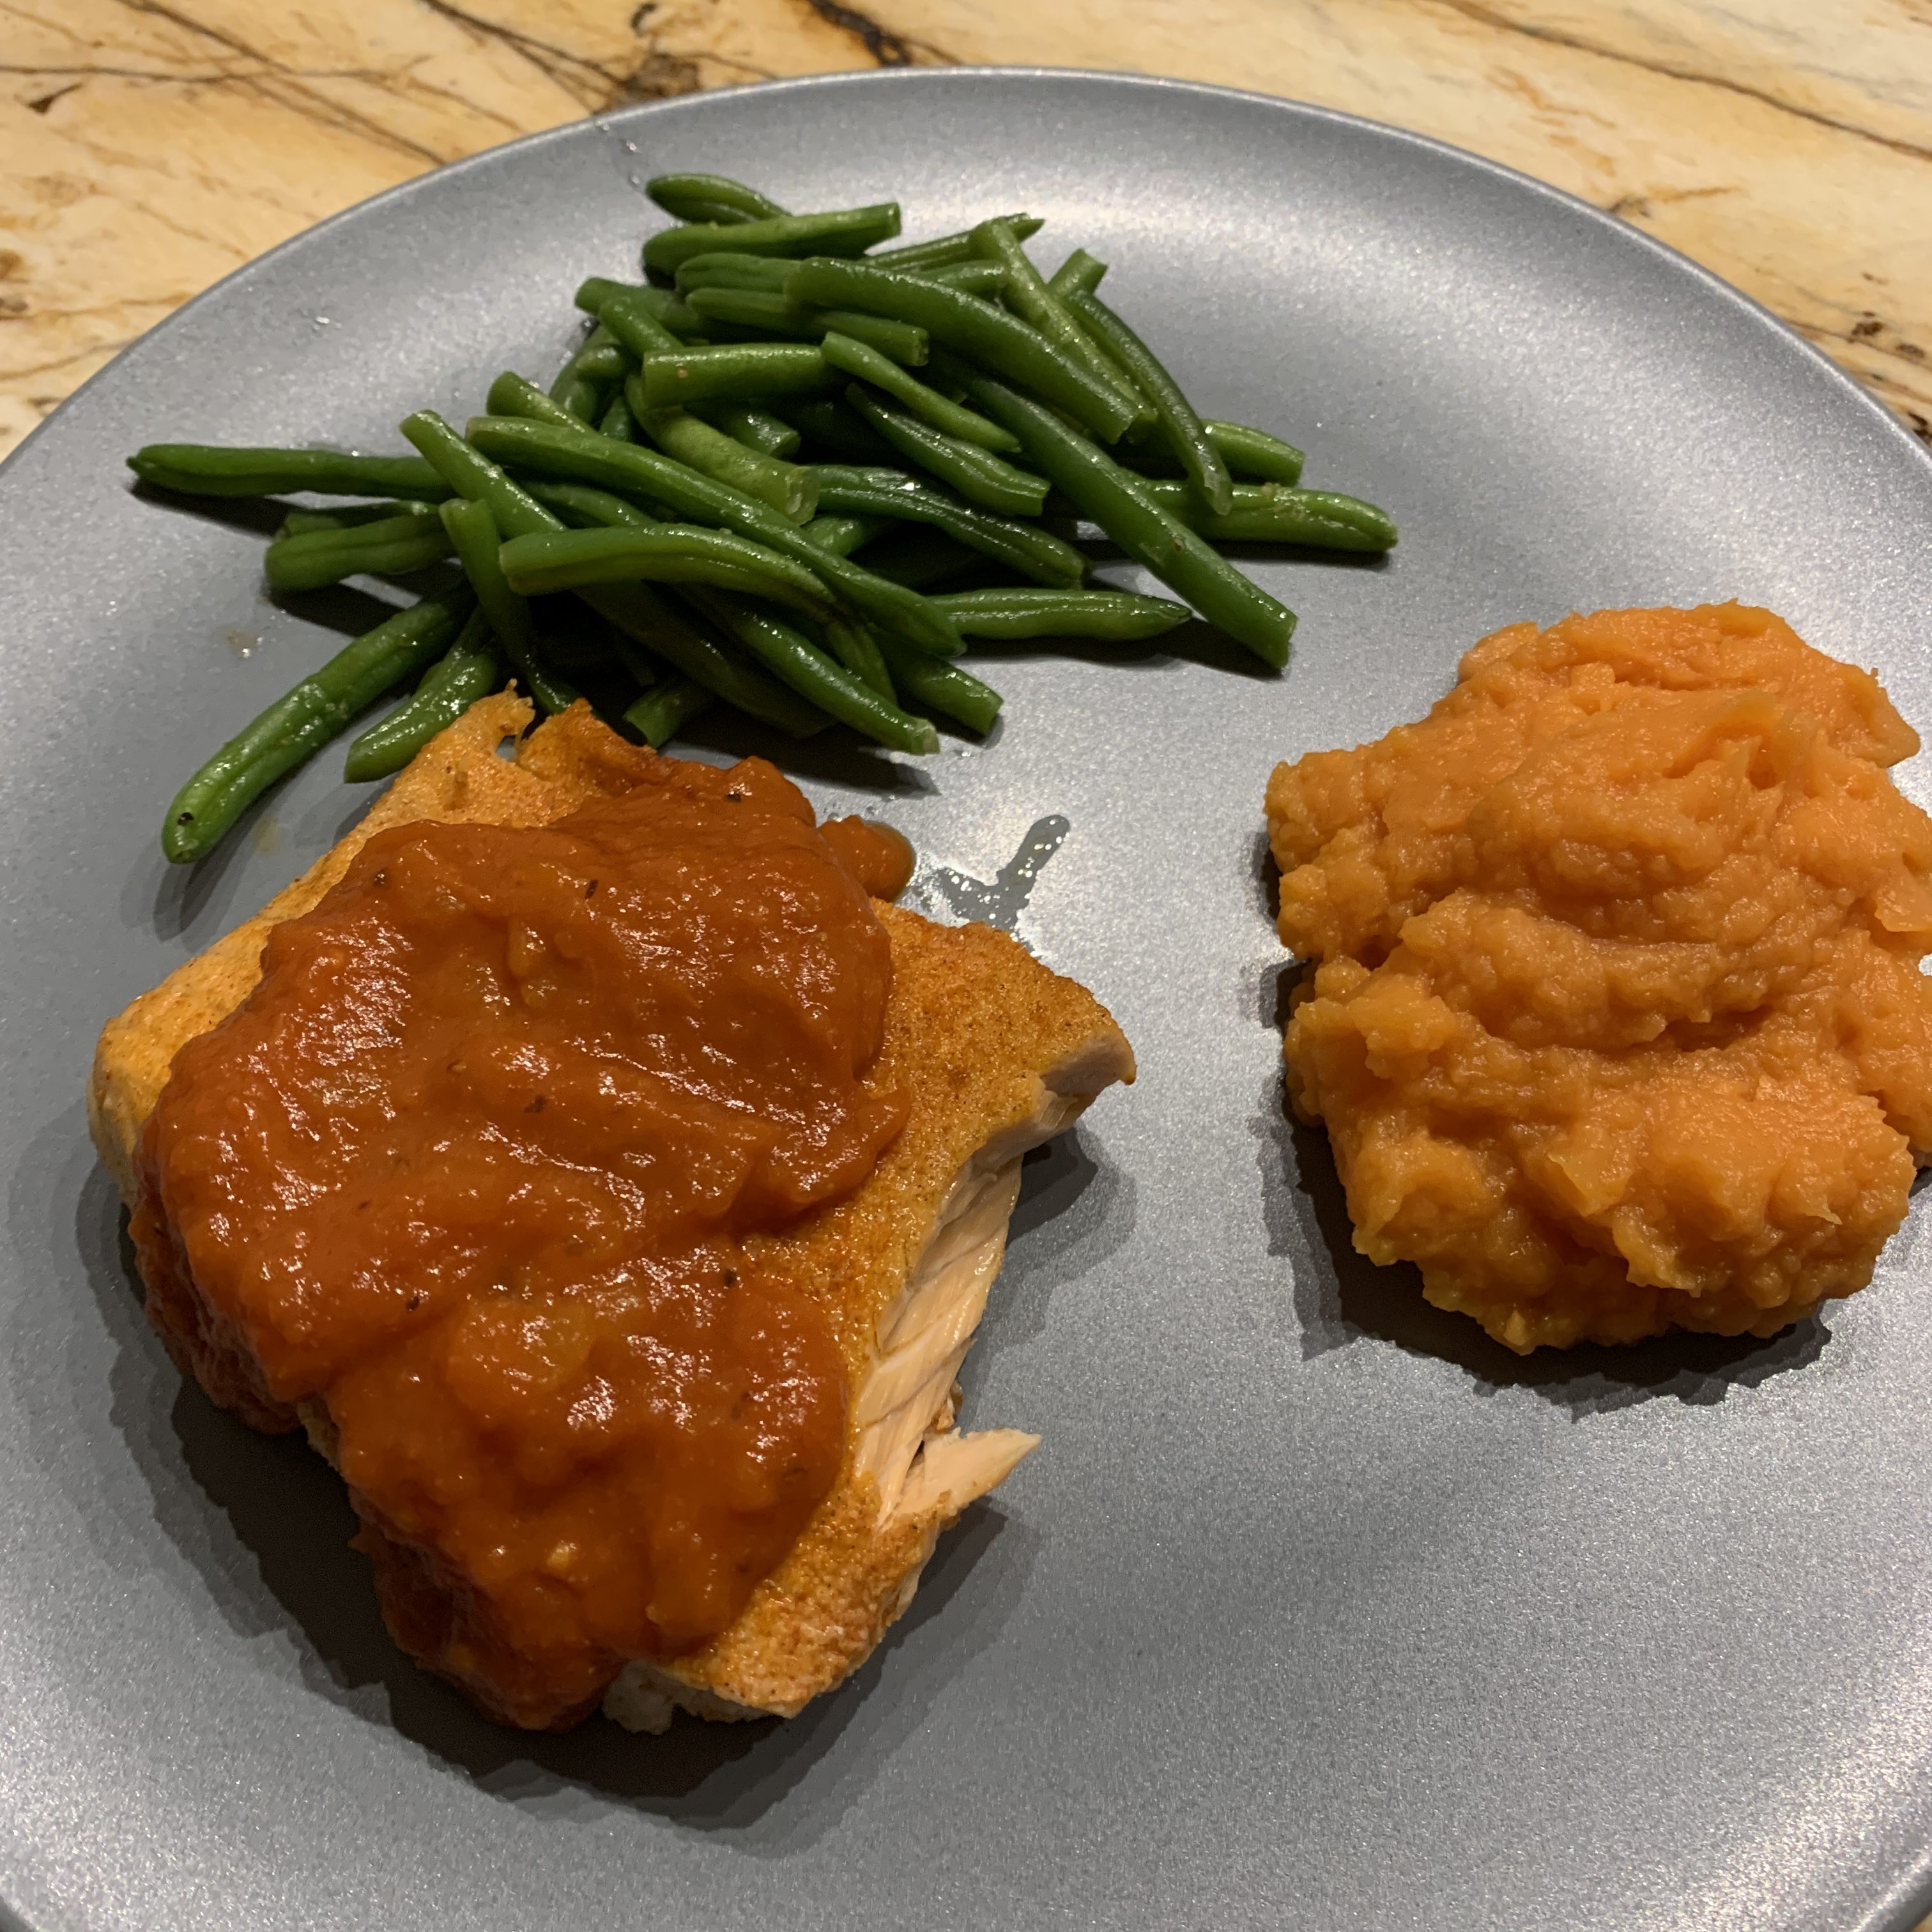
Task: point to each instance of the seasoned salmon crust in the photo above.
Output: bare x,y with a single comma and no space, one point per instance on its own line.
996,1053
1617,1021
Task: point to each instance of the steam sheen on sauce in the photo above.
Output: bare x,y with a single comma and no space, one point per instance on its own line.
473,1167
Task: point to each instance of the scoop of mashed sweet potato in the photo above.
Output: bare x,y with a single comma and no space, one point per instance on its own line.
1617,1022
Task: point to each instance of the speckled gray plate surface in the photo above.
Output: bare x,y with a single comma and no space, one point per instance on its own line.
1315,1608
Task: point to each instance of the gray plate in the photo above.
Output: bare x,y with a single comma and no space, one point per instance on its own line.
1315,1608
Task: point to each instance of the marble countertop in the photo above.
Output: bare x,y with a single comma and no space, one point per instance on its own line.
147,148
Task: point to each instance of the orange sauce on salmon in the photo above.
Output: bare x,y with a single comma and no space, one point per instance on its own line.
473,1168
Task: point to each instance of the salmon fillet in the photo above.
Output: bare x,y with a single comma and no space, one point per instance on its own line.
999,1053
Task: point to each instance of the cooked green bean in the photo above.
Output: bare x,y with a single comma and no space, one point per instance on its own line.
299,522
669,310
577,456
1035,552
945,251
990,336
671,553
467,472
1254,453
665,709
594,365
944,688
623,309
207,469
855,647
584,508
844,535
856,358
787,652
1186,435
617,422
297,725
1147,530
756,429
471,668
1037,304
390,548
1080,274
774,313
977,473
844,231
728,271
513,395
975,278
473,530
1118,616
1272,513
832,431
726,374
698,197
790,488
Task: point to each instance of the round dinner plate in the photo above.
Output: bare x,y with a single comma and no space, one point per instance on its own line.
1315,1607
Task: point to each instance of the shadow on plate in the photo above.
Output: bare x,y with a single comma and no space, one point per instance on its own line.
264,1524
1341,1296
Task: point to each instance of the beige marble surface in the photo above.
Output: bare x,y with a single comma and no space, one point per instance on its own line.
148,146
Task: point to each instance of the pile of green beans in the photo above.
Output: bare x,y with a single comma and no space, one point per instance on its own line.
794,472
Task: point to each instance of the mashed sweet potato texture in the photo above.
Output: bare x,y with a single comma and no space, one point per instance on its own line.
1616,1021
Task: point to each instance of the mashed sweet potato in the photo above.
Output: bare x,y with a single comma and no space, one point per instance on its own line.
1617,1021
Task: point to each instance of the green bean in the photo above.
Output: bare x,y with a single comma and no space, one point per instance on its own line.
206,470
576,456
1118,616
298,725
471,668
790,488
773,313
299,522
855,647
833,430
594,365
672,553
1186,436
583,508
696,197
668,310
727,270
945,251
844,535
468,472
944,688
1147,530
974,278
1255,453
571,636
513,395
473,530
1036,303
1271,513
788,653
617,422
756,429
623,309
977,473
955,419
1080,274
643,617
724,374
390,548
1034,552
992,337
665,709
844,231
